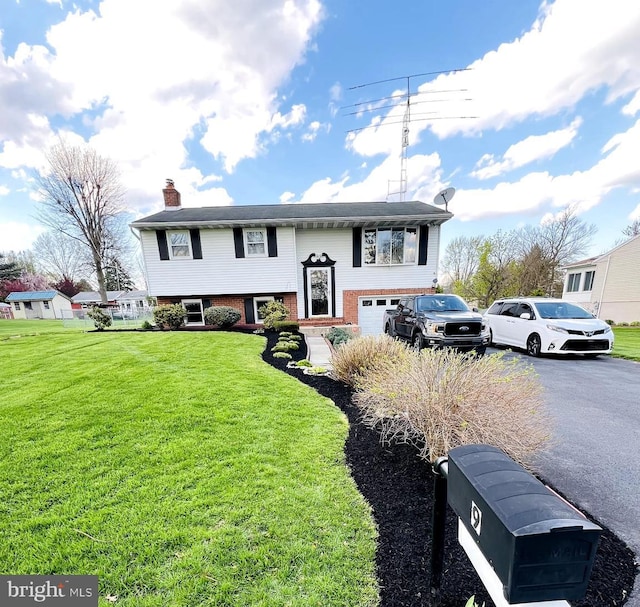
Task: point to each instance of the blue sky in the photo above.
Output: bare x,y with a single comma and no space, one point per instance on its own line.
252,101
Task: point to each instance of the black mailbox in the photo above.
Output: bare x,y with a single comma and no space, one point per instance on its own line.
540,547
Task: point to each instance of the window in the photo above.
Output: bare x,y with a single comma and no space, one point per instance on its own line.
573,283
17,305
588,281
46,305
509,309
390,246
179,244
255,242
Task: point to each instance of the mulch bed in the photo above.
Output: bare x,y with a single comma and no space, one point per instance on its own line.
399,488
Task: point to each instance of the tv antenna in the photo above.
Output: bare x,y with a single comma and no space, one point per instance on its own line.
406,119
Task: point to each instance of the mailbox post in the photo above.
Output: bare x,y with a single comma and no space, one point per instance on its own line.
540,547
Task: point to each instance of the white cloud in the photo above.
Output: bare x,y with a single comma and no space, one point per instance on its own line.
4,190
286,197
170,68
314,128
635,214
633,107
425,170
538,74
534,147
15,236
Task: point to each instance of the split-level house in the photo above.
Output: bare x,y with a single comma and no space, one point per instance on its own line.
329,263
607,285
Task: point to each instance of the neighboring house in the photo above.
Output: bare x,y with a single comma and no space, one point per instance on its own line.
6,312
329,263
39,304
130,304
87,299
608,285
134,304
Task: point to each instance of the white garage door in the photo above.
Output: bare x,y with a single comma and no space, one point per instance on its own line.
371,309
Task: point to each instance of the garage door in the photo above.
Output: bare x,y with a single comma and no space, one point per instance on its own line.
371,309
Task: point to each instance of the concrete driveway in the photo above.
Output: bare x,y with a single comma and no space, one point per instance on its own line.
595,458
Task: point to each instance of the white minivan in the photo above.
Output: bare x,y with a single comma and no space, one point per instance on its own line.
543,325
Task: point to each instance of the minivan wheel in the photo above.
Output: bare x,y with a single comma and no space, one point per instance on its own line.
534,346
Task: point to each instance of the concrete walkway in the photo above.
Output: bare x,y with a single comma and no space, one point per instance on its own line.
318,351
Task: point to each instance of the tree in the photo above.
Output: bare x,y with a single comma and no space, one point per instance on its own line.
61,257
25,282
116,276
461,259
82,199
9,270
71,288
497,270
633,229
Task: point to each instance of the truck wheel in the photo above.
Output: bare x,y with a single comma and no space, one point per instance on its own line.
389,331
416,342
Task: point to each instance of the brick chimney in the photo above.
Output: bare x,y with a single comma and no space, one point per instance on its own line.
171,197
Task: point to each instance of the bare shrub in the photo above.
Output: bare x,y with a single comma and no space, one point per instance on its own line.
441,399
356,357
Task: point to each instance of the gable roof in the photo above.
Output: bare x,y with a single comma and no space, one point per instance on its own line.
94,296
34,295
132,295
592,261
308,215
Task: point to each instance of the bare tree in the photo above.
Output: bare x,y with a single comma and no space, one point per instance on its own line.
61,257
462,257
633,229
82,198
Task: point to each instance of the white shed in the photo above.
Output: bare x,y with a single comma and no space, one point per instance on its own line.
39,304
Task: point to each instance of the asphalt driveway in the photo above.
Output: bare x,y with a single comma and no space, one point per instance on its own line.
595,458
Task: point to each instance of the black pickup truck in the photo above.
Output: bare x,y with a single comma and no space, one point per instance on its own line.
433,321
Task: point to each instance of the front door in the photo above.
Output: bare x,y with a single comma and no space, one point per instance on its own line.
194,314
319,288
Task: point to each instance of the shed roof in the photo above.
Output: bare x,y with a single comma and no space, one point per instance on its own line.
34,295
94,296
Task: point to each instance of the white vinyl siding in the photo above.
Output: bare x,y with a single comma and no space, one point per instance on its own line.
219,271
338,245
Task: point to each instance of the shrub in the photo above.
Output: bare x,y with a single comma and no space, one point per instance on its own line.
440,399
272,312
222,316
294,337
286,325
623,324
100,318
358,355
282,355
304,363
146,325
315,370
169,316
338,336
285,334
635,323
286,345
610,322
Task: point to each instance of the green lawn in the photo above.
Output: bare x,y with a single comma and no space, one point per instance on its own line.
17,327
627,344
178,467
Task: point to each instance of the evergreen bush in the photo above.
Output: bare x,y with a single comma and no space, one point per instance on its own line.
100,318
222,316
169,316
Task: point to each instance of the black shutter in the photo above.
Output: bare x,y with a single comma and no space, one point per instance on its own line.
248,311
161,235
196,247
422,245
238,242
272,242
206,303
357,247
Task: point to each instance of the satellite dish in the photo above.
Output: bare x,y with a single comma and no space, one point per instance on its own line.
444,197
